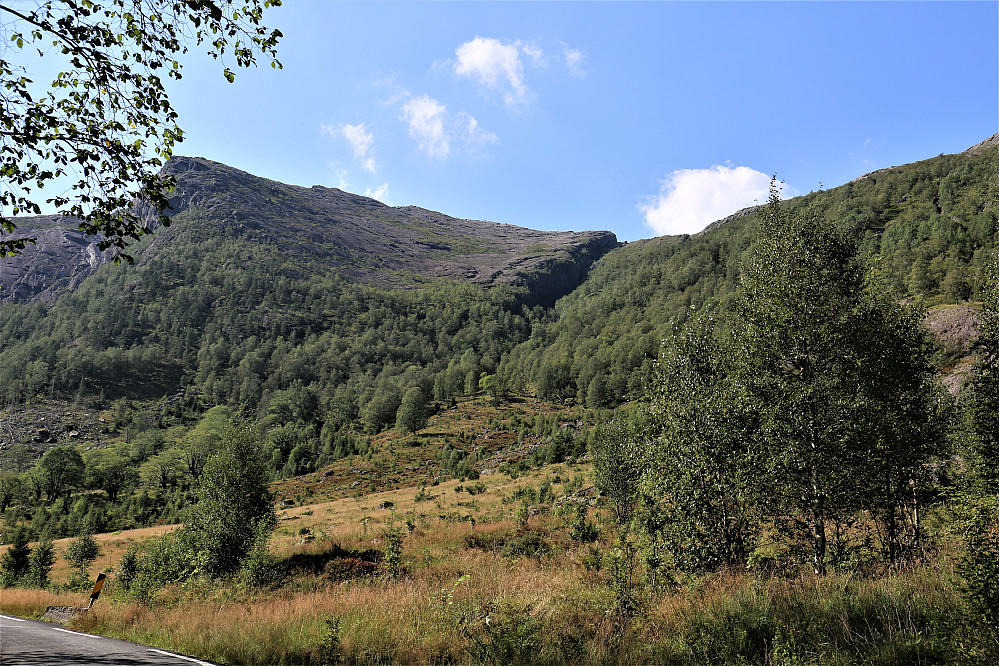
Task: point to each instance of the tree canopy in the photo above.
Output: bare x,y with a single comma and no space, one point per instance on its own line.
106,120
234,503
812,402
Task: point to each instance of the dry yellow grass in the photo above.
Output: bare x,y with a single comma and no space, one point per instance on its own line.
113,545
445,594
32,603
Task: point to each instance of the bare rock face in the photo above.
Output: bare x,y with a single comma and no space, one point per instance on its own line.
325,229
59,260
374,243
956,328
988,143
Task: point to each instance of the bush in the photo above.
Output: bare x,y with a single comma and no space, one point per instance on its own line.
128,569
509,635
980,567
260,567
393,551
581,530
15,562
518,544
40,564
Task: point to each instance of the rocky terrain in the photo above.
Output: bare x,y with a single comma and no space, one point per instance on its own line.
59,260
323,228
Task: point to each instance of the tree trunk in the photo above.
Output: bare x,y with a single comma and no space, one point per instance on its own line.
818,539
891,529
818,512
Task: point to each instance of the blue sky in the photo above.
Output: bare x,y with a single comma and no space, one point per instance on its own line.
641,118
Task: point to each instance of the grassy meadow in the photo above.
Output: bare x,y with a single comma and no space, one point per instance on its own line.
499,591
516,567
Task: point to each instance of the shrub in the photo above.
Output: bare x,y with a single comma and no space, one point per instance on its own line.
980,567
581,530
14,563
393,551
40,564
509,635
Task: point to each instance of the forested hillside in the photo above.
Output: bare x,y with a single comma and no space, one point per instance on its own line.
929,228
785,415
260,286
266,300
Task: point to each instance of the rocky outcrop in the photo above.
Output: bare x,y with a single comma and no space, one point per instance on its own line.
956,329
59,260
990,142
62,614
376,243
323,229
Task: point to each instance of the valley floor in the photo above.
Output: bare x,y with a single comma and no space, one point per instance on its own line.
475,583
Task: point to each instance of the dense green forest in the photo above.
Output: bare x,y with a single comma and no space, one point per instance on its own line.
214,322
928,228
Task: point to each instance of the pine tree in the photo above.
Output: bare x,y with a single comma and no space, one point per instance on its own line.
15,562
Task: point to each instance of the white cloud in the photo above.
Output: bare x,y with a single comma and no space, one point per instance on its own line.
378,193
360,140
473,135
396,92
533,52
497,66
690,199
435,129
425,117
574,60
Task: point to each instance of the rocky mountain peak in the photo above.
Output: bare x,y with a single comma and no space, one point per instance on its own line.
323,229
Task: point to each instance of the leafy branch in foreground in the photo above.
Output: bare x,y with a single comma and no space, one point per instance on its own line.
105,119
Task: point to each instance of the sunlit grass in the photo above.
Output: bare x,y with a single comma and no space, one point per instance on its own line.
457,604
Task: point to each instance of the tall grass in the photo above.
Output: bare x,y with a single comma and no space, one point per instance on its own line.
456,604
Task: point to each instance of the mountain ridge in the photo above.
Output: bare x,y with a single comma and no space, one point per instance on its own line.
323,228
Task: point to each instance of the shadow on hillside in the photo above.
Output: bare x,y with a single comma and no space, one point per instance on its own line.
336,560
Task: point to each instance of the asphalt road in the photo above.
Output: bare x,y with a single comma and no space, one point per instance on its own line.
33,643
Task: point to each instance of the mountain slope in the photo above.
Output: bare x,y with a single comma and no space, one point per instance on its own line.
58,262
932,224
322,229
259,291
262,290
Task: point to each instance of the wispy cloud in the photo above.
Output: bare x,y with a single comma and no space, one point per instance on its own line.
360,140
396,92
435,129
863,156
497,66
380,192
468,130
425,117
690,199
574,61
